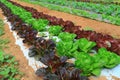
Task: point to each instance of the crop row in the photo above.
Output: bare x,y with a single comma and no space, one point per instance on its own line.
117,2
109,14
112,10
67,43
102,40
58,68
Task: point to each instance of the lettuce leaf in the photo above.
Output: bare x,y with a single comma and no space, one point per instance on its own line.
55,30
65,36
85,45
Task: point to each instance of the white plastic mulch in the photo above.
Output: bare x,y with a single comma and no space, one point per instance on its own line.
31,61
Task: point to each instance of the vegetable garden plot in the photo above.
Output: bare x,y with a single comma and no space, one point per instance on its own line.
106,13
98,26
56,58
46,48
102,40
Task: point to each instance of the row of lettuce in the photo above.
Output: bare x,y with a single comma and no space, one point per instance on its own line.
112,10
107,13
102,40
79,49
117,2
57,67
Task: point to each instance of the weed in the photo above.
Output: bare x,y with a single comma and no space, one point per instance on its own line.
3,43
1,27
8,65
87,28
8,68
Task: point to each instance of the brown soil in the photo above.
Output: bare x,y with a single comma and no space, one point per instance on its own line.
115,78
14,50
98,26
98,78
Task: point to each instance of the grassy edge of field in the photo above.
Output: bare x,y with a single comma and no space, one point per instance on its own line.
9,66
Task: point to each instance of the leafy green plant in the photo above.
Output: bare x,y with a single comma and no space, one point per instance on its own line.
84,62
65,36
55,30
110,59
40,24
85,45
68,48
93,64
8,68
